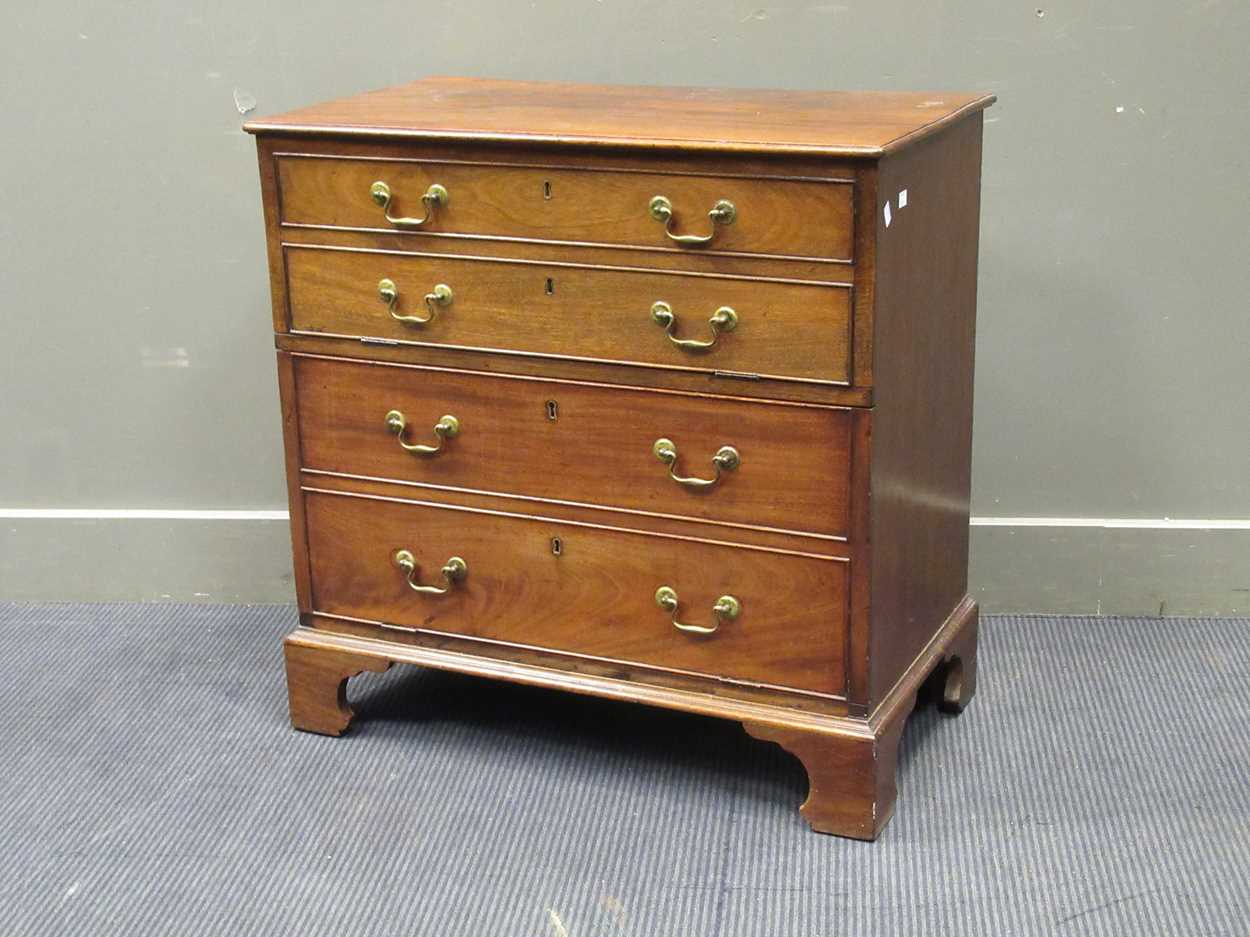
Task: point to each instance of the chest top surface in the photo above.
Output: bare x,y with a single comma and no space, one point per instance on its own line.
830,123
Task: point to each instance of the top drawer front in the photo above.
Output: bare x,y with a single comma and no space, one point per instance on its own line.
772,216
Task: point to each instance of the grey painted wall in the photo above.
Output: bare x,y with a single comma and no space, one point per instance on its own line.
1114,330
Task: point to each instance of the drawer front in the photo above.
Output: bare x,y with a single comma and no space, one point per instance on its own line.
771,216
582,443
780,330
596,597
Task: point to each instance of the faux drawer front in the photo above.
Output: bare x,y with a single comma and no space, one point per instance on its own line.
771,216
583,443
780,330
596,597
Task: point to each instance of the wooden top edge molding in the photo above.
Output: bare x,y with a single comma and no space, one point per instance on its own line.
865,124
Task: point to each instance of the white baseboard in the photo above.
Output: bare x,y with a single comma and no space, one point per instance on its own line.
145,514
1047,565
182,514
1117,523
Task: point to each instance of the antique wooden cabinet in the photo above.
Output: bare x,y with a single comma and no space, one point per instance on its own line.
658,394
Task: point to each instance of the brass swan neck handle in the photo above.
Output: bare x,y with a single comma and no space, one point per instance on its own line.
446,428
723,319
388,292
453,572
723,213
726,459
435,197
727,608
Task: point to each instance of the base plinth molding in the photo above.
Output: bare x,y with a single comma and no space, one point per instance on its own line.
850,761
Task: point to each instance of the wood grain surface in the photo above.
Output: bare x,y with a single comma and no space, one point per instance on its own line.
804,219
785,330
720,384
830,123
851,780
596,515
794,472
316,685
597,596
926,297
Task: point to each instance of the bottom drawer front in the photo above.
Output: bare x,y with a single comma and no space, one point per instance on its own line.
596,596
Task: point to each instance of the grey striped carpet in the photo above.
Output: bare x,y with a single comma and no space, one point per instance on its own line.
150,785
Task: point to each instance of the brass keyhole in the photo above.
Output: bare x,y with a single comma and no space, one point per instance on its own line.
553,410
550,288
547,190
557,546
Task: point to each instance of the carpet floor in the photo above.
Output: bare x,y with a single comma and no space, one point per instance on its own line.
150,785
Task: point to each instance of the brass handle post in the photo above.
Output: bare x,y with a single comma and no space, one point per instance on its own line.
435,197
446,428
723,319
453,572
727,608
723,213
726,460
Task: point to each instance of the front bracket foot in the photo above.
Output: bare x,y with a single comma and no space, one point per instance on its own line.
851,783
316,682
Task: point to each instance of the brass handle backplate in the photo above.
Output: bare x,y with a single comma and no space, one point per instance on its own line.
725,460
453,572
722,213
727,608
388,292
435,197
446,428
723,319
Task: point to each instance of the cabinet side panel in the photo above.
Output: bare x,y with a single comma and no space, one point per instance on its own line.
925,318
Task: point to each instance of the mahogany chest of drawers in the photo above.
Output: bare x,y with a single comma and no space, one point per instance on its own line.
658,394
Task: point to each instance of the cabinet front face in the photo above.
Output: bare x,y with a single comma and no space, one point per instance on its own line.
661,395
715,610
